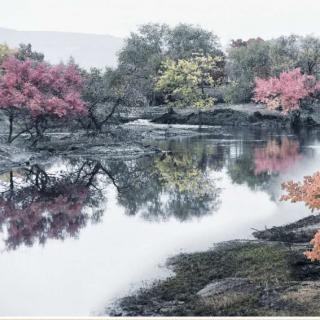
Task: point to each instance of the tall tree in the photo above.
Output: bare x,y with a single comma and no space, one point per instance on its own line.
144,51
245,63
284,53
141,57
309,55
185,40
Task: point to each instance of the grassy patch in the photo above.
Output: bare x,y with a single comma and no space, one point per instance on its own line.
265,265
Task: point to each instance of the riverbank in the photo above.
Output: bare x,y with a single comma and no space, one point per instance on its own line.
246,115
130,138
237,278
119,143
152,123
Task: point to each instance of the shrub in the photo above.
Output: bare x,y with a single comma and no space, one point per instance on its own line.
287,91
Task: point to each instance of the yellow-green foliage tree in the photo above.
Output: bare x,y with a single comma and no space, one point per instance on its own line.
181,173
184,82
5,51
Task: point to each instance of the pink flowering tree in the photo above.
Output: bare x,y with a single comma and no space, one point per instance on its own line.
38,91
287,91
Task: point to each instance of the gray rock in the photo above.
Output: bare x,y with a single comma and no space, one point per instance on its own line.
300,231
223,286
226,117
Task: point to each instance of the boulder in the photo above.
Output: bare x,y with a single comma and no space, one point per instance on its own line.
224,286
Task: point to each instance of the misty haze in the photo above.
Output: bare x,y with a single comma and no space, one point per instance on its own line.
159,158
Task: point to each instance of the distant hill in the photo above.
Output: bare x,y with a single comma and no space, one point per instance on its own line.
88,50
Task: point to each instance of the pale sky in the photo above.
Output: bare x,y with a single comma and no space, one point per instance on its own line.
227,18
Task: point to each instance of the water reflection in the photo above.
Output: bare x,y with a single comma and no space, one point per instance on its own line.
38,205
58,200
55,202
277,156
200,191
173,185
258,164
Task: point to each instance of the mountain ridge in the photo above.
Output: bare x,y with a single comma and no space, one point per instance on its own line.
88,50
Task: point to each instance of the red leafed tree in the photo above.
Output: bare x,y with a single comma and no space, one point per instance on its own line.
308,192
276,156
286,91
39,90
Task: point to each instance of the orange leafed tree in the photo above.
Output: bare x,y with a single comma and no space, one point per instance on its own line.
307,191
314,254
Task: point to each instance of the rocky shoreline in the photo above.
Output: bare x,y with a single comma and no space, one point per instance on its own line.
160,125
269,276
250,116
74,144
130,138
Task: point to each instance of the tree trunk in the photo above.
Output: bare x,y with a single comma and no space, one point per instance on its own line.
200,118
295,119
153,99
10,127
38,129
11,181
40,126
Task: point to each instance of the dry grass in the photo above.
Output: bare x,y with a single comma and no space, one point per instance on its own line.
226,300
307,292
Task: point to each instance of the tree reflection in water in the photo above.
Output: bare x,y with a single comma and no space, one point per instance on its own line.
258,166
177,184
39,203
39,206
277,156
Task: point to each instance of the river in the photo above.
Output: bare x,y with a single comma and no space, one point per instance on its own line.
76,234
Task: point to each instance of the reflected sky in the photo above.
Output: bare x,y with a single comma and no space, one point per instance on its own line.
96,229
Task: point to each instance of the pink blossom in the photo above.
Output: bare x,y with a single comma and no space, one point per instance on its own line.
41,89
285,91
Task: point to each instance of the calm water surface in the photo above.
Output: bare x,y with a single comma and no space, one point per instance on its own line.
78,233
